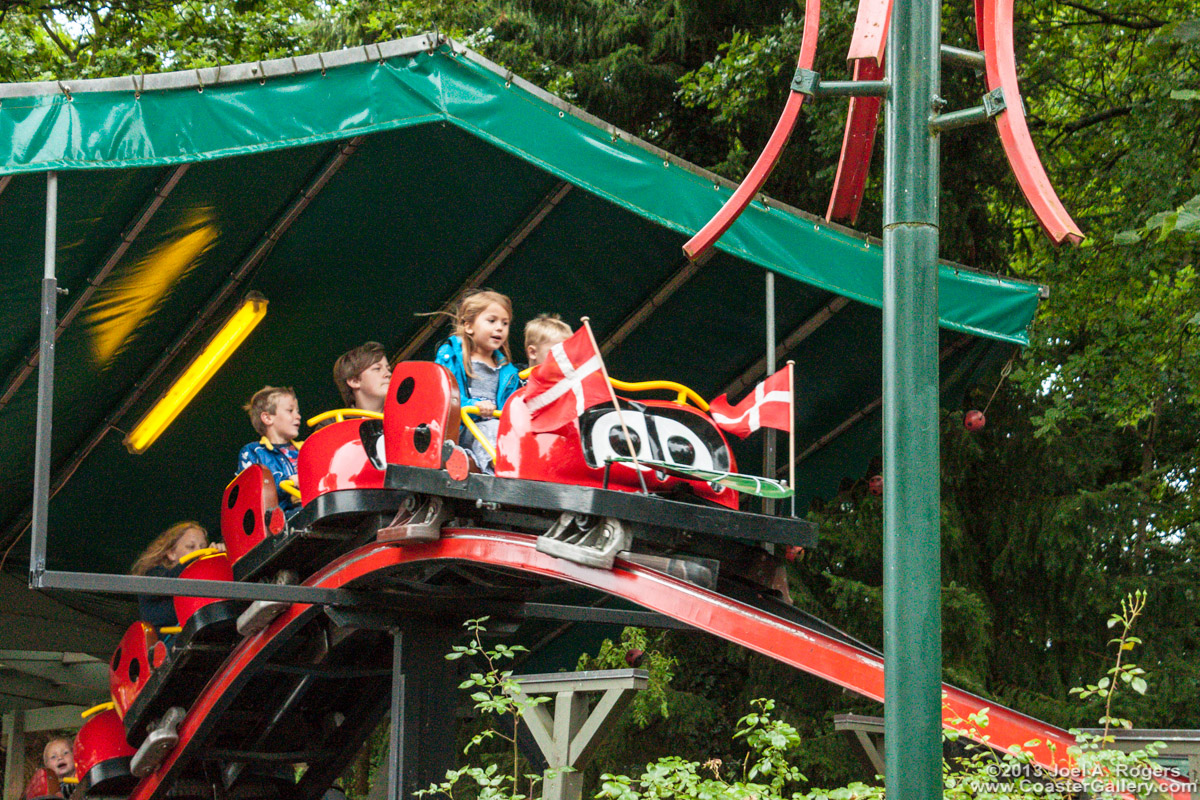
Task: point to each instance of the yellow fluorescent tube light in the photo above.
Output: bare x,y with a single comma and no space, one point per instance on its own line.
192,380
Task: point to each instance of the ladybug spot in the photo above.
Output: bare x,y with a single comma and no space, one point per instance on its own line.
405,390
422,438
248,522
135,670
233,495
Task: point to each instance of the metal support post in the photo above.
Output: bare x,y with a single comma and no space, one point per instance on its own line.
963,118
45,397
396,717
958,57
852,89
911,530
14,760
423,725
769,440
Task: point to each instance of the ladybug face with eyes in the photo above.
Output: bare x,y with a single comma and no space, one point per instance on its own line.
581,453
660,433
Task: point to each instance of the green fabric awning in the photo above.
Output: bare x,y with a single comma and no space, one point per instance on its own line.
356,190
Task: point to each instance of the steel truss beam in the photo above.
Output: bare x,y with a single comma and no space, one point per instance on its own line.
224,590
791,342
607,616
256,255
18,377
490,265
684,273
870,407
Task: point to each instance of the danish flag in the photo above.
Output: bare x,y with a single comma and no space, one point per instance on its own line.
769,405
571,379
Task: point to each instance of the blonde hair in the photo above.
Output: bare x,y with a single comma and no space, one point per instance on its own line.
543,328
263,402
46,747
155,554
470,307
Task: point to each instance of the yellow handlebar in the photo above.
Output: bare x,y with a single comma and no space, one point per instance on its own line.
203,552
168,630
683,393
465,412
97,709
340,414
289,486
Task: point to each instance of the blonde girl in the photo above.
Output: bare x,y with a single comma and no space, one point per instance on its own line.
160,559
478,357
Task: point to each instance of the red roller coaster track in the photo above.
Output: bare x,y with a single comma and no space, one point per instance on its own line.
791,643
758,174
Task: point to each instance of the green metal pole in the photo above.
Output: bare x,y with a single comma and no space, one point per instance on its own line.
911,531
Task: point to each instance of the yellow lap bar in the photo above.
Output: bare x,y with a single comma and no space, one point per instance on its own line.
203,552
684,393
340,415
97,709
466,412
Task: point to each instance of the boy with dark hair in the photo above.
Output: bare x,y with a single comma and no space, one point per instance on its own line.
362,376
275,414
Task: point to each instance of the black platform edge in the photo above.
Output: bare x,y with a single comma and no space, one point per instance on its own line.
332,509
199,631
111,776
328,507
628,506
753,595
205,624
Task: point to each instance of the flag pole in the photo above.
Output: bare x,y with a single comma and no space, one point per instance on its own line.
637,467
791,368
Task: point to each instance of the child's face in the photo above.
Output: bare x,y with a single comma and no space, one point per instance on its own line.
537,352
371,385
489,330
57,758
192,539
284,424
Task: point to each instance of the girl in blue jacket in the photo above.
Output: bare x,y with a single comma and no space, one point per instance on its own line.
478,357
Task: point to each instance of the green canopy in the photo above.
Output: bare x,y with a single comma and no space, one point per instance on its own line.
357,190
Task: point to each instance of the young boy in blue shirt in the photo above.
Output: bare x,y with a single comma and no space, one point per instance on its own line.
275,414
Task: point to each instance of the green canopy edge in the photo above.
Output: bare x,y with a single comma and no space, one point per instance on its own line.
205,115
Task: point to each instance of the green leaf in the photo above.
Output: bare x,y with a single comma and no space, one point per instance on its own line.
1188,220
1127,237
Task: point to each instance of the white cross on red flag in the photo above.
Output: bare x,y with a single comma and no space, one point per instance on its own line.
768,406
570,380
